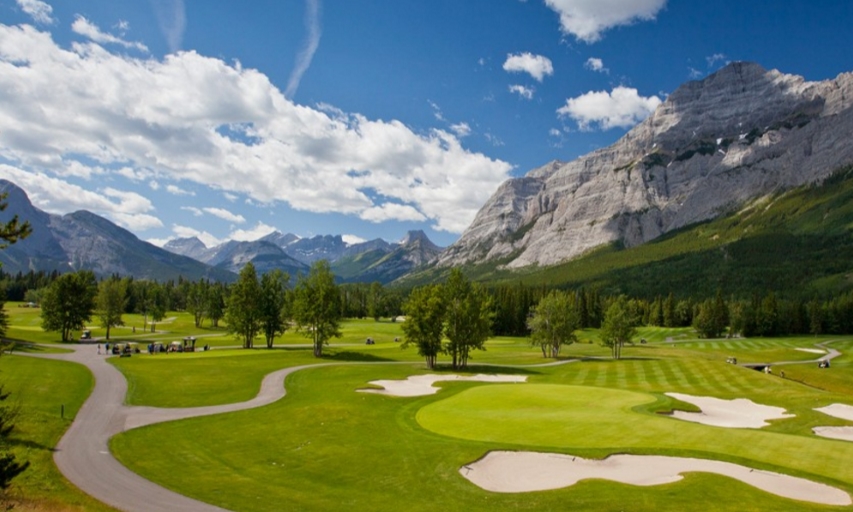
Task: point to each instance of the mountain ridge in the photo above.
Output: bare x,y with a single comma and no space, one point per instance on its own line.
713,145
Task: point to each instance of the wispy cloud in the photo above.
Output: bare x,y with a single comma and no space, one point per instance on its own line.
524,92
172,18
596,64
88,29
306,54
39,11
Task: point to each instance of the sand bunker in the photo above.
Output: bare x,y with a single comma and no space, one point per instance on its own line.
845,412
737,413
841,433
510,472
420,385
812,350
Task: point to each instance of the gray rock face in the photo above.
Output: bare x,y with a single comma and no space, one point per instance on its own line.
711,147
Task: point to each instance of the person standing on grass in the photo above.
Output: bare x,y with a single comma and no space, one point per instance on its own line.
99,348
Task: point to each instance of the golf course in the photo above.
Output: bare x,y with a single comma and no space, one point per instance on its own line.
318,441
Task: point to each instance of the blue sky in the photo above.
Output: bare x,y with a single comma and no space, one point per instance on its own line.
365,118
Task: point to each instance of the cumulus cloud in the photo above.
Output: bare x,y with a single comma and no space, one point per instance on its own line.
192,209
187,232
536,66
193,119
596,64
248,235
55,195
524,92
623,107
225,215
352,239
392,211
39,11
306,54
588,19
714,59
88,29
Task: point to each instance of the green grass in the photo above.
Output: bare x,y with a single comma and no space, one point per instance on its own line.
41,388
326,446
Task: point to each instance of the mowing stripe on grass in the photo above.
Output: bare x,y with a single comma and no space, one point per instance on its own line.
580,375
601,375
621,381
675,367
640,372
660,378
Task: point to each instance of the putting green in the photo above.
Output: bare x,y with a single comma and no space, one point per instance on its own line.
589,418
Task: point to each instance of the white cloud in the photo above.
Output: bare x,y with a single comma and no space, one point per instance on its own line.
536,66
621,108
229,196
249,235
39,11
153,185
352,239
178,191
225,215
587,19
694,73
306,54
461,129
553,132
165,119
596,64
187,232
524,92
392,211
192,209
54,195
712,60
88,29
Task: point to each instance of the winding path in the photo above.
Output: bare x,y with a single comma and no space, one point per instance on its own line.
83,453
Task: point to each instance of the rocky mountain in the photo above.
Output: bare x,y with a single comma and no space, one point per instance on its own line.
374,260
413,251
83,240
713,146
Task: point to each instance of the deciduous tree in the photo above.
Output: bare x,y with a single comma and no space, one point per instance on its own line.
468,319
617,328
275,312
424,325
553,323
68,303
243,311
111,302
316,306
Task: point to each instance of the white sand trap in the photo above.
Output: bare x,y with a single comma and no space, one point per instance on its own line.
420,385
812,350
737,413
509,472
845,412
842,433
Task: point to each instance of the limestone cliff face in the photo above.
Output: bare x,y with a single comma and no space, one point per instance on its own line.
711,147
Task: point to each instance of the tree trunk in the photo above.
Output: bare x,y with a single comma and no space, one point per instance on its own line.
108,333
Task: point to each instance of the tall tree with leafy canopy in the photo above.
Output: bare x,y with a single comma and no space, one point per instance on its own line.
275,312
468,319
68,303
243,311
553,323
317,306
111,302
424,325
617,328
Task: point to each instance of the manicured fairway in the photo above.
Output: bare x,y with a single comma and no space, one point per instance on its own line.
325,446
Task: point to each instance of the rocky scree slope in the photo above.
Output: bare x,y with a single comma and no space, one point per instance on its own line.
711,147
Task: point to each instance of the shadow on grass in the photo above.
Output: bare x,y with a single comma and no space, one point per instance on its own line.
485,368
31,348
30,444
360,357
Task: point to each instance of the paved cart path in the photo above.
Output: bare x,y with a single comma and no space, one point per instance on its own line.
83,454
